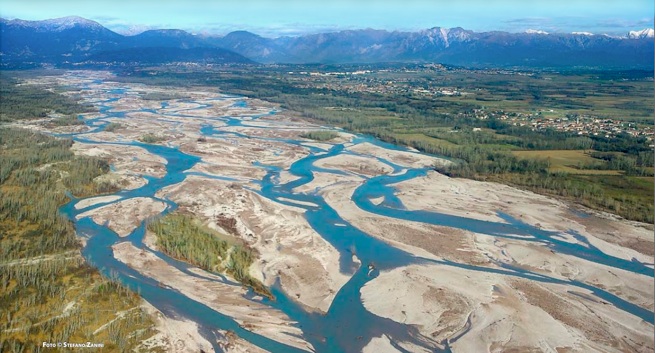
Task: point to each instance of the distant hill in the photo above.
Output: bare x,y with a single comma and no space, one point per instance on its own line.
253,46
164,38
77,40
74,39
63,39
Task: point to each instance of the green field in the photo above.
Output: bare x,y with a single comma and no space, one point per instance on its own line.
566,161
421,138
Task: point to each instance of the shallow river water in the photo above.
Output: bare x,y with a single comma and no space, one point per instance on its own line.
347,326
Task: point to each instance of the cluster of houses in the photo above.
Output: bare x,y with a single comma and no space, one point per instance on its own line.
579,124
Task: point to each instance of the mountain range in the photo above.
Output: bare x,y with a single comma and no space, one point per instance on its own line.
75,40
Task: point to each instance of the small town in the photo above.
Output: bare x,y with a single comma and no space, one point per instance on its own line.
373,81
580,124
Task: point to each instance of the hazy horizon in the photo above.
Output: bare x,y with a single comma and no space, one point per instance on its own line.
293,17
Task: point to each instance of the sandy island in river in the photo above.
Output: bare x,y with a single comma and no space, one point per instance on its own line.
124,216
289,249
225,298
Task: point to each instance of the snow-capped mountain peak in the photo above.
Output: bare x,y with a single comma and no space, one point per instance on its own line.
446,36
583,33
535,31
459,34
644,33
58,24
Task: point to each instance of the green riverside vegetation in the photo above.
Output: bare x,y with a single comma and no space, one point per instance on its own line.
185,238
47,290
151,138
67,121
468,127
320,135
111,127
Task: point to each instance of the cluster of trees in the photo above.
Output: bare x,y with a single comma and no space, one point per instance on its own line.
161,96
67,121
472,159
184,238
319,135
151,138
111,127
639,165
621,143
81,173
181,237
240,259
617,194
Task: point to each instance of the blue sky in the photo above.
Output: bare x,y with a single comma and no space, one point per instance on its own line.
292,17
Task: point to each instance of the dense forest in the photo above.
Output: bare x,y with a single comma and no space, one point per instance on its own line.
20,102
48,293
485,148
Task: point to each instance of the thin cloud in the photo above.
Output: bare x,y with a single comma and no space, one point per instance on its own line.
104,18
621,23
124,27
565,24
527,21
534,23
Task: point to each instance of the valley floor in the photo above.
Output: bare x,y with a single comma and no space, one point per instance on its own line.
349,233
